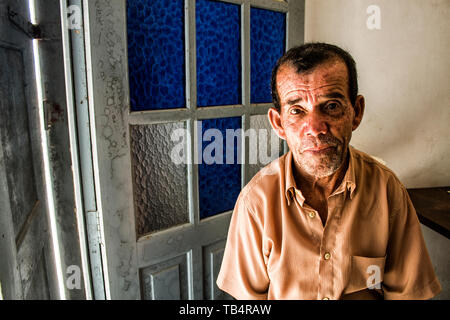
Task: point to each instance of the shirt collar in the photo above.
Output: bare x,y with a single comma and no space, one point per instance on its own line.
348,183
291,186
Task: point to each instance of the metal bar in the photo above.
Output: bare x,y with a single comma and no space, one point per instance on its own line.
195,267
246,89
191,84
191,55
277,5
274,5
260,108
239,2
295,24
158,116
220,112
192,172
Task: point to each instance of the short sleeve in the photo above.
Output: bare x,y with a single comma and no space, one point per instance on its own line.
409,273
243,273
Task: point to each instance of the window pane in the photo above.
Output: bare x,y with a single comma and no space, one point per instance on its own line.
218,53
156,62
159,183
268,144
267,45
219,173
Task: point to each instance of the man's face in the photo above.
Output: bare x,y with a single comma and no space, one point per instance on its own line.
316,117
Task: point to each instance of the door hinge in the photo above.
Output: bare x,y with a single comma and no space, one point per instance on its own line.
93,221
96,245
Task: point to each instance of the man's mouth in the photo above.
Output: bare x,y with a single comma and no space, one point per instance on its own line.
319,150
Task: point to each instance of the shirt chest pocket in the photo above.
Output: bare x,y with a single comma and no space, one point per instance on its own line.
365,273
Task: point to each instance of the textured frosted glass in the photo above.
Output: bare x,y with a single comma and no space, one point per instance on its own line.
219,184
218,53
160,185
156,62
267,44
263,151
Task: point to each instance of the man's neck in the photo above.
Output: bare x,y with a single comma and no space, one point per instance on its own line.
321,186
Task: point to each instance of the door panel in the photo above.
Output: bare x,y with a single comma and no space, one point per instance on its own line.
32,260
28,214
212,260
167,280
16,139
164,224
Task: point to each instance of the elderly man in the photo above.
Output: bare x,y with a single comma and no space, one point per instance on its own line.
324,221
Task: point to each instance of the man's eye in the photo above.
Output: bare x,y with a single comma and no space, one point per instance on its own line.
332,107
295,111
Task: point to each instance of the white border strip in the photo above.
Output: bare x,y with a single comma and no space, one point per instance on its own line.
46,160
74,150
90,77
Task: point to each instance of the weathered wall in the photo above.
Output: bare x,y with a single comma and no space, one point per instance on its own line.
404,72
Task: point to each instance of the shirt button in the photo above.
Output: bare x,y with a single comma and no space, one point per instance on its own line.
327,256
312,214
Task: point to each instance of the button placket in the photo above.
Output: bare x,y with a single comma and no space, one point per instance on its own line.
326,265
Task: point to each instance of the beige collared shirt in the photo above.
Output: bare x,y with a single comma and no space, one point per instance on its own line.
278,248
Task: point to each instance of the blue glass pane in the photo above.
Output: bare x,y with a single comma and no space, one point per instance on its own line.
267,45
218,53
156,61
219,182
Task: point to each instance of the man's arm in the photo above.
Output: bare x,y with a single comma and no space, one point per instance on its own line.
409,273
243,273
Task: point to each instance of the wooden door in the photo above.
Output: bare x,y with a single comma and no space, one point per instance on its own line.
27,262
42,241
157,83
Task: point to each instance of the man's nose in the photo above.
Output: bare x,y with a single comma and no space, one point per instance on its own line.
315,124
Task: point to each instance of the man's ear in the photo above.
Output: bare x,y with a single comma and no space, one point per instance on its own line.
275,120
359,111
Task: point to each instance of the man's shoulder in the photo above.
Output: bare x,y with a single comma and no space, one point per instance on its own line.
266,181
374,169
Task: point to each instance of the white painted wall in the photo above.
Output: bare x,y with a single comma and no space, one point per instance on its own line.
404,73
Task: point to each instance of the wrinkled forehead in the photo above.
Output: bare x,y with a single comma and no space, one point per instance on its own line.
331,73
